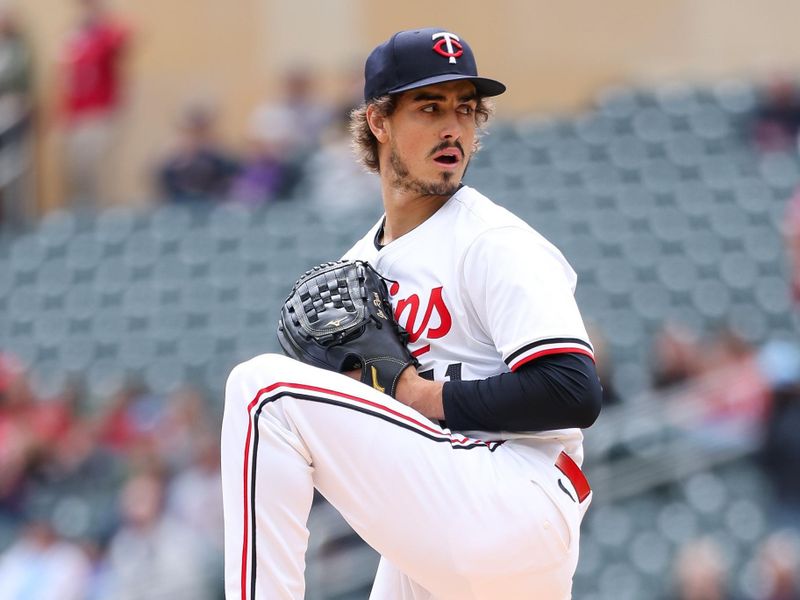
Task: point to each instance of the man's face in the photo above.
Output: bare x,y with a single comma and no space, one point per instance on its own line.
431,136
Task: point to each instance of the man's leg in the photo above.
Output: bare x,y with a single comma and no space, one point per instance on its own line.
459,516
392,584
267,488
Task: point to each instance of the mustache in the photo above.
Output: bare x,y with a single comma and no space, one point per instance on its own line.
445,145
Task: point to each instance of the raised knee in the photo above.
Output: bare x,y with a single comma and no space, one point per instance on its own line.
262,367
268,362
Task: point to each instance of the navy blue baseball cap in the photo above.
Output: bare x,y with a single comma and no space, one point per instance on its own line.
419,57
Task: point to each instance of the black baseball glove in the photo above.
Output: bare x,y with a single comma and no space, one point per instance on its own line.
338,317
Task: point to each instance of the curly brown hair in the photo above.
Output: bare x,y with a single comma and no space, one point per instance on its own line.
365,144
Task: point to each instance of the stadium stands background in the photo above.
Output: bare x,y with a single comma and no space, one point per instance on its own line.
653,190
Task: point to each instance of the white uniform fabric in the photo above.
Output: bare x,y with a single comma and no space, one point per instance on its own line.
481,293
453,515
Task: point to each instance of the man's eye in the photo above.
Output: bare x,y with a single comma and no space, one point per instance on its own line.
465,109
429,108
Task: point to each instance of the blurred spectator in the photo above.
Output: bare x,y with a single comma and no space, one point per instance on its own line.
195,499
82,477
98,585
153,555
777,119
335,180
303,115
91,95
675,356
779,566
791,236
130,418
183,424
351,93
723,349
605,367
16,78
16,81
200,168
780,452
41,566
700,572
20,446
290,129
265,174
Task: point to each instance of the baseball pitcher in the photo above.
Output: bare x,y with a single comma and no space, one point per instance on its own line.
437,377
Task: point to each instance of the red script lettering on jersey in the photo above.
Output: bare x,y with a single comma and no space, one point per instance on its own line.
412,303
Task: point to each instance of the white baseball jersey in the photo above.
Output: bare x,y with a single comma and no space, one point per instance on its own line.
453,517
481,293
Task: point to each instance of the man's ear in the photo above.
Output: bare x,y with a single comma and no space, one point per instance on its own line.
378,124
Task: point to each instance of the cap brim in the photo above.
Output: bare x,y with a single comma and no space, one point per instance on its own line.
484,86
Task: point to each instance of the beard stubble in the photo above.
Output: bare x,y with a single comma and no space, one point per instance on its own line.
402,179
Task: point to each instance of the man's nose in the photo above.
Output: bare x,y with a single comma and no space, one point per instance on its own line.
451,127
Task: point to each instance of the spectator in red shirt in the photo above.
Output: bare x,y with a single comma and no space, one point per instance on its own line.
91,80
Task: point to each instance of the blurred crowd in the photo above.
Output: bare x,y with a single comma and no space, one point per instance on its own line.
703,569
297,136
118,500
702,572
297,142
119,497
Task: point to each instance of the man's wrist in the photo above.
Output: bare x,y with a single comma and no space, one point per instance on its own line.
421,394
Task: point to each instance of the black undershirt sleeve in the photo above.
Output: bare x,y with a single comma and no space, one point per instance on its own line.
552,392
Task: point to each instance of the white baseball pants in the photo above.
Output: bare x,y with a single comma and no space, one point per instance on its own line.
452,517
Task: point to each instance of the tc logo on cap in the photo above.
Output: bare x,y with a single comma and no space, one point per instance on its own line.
452,45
